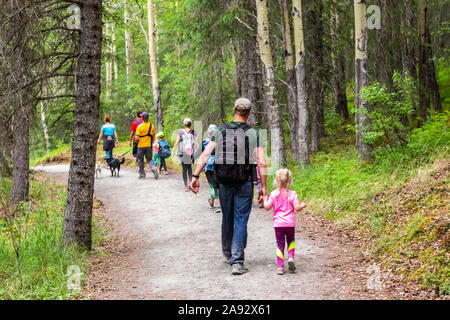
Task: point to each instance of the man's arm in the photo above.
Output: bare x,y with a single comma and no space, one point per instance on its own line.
202,160
262,167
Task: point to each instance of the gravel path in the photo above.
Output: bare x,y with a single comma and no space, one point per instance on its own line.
170,249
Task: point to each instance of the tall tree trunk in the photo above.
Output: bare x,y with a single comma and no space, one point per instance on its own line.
237,80
290,80
78,214
363,149
338,62
243,67
23,100
316,56
427,75
114,50
108,64
128,45
44,127
252,94
154,67
276,130
300,72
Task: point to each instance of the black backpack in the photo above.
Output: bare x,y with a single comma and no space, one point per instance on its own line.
232,168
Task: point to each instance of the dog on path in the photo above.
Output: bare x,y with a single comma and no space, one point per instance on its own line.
114,165
98,170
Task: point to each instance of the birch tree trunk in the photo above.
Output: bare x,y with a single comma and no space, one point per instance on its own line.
44,127
108,64
300,72
78,214
363,149
276,132
154,66
290,80
114,50
128,45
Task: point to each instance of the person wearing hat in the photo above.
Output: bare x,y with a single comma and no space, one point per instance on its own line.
145,134
164,152
134,125
238,150
187,144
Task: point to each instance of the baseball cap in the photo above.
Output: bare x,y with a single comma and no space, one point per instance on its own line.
187,121
211,128
243,104
144,115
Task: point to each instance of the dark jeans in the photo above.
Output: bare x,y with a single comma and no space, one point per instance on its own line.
163,164
147,152
187,171
236,204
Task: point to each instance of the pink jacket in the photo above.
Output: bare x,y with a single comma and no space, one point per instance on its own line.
283,207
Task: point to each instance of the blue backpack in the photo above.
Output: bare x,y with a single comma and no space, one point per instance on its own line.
164,149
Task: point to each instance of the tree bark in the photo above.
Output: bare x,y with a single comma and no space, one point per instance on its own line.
363,149
276,131
290,80
427,75
252,93
338,63
316,56
128,45
114,50
108,64
78,213
154,67
300,72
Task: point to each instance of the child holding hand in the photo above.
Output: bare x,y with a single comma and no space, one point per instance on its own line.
284,202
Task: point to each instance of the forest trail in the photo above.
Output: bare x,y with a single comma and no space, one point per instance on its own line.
171,249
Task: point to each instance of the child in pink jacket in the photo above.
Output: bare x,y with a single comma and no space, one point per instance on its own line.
284,202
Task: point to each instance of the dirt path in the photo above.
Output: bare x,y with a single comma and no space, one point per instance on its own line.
170,249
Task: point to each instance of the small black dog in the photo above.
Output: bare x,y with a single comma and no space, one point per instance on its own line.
114,164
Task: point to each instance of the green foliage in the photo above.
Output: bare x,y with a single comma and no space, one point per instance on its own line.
36,266
390,112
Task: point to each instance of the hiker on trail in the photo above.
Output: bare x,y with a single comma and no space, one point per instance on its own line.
187,144
156,158
163,151
213,184
284,202
134,125
108,130
235,169
145,133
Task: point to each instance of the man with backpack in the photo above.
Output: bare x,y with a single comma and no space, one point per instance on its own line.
145,133
234,145
134,125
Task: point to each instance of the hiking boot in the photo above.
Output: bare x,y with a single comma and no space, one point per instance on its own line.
280,271
155,173
238,268
291,264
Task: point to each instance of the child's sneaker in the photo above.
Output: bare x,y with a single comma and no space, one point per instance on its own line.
291,264
280,271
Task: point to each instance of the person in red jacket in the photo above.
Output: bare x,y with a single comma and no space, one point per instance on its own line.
134,125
